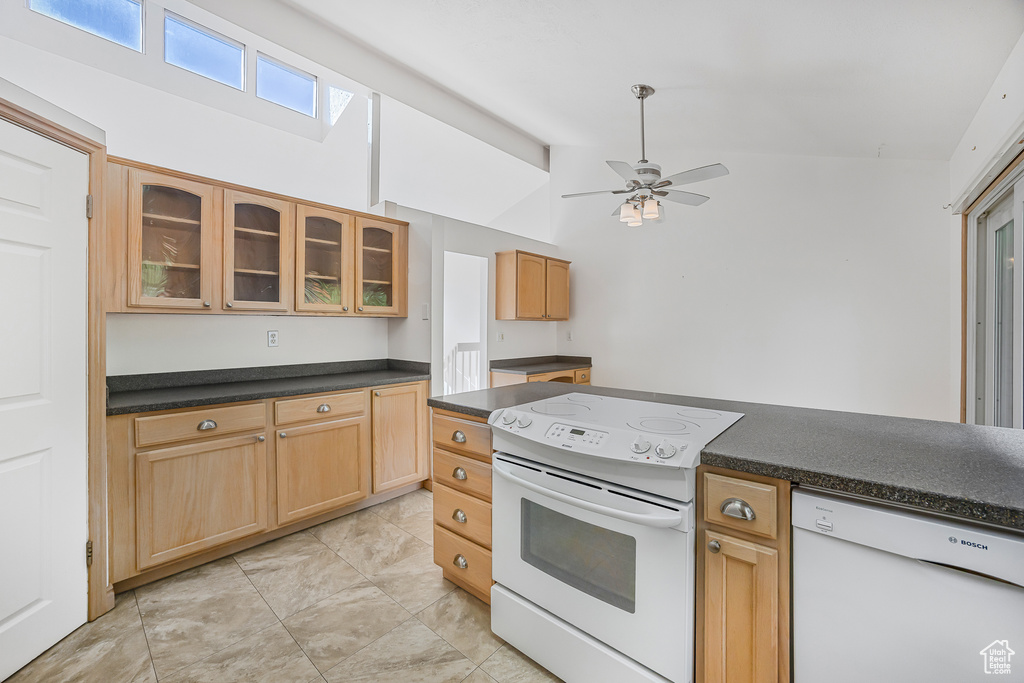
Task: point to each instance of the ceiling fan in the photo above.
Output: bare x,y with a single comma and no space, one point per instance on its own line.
644,183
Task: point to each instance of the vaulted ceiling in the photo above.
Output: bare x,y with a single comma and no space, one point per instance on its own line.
831,77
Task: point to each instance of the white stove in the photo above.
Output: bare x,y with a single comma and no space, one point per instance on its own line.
593,534
639,444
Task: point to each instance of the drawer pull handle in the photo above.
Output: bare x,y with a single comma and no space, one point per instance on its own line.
459,516
459,474
282,435
714,546
460,562
738,509
459,436
583,375
323,408
206,424
261,438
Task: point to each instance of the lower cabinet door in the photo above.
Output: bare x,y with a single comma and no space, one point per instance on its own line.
321,467
741,611
400,440
194,497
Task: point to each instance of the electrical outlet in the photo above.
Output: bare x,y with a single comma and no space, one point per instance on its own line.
500,337
271,337
425,312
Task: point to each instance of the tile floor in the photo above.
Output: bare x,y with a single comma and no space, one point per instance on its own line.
356,599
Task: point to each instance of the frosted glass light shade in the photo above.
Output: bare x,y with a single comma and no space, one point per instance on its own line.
652,209
626,212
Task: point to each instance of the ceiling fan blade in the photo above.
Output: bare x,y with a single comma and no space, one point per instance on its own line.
584,194
682,197
694,175
624,170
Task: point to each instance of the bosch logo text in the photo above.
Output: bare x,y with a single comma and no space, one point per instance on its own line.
972,544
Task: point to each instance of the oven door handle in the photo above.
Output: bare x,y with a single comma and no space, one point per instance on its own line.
655,519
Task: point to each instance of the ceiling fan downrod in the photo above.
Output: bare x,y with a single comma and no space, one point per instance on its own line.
642,92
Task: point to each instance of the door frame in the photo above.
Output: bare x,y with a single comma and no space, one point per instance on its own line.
101,591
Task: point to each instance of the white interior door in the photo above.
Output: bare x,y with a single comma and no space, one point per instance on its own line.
43,393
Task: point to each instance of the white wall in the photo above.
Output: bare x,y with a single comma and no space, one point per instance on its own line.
804,281
143,343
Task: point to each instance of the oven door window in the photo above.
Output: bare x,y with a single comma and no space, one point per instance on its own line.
598,561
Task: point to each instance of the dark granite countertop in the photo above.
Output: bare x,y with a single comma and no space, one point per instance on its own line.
163,391
539,364
964,470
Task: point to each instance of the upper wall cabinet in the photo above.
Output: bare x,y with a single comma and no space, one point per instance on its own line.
170,241
323,260
257,240
531,287
176,243
381,269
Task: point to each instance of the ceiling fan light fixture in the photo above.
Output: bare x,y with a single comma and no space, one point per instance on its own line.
652,209
635,223
626,212
635,217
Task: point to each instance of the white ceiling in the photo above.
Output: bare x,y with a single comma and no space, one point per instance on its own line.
890,78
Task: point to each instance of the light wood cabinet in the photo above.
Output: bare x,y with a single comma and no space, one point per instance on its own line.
324,267
574,376
194,497
531,287
170,242
742,578
187,486
462,501
178,243
381,271
321,466
257,252
400,439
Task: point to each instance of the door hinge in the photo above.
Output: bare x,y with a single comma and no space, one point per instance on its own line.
88,553
88,206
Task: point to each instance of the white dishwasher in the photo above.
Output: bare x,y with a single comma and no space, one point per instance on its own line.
885,595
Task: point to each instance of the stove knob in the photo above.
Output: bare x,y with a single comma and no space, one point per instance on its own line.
665,450
640,445
525,421
508,418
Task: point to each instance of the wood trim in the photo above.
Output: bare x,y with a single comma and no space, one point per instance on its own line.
1017,160
242,188
101,591
460,416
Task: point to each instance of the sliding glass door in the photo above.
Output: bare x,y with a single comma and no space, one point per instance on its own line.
996,309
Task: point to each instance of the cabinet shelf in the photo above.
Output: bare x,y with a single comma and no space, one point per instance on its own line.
330,278
329,243
384,251
257,233
377,282
171,219
176,266
247,271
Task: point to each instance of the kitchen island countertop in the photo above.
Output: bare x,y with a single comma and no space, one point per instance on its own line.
964,470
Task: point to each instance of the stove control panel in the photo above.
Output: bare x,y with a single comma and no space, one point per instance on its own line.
575,435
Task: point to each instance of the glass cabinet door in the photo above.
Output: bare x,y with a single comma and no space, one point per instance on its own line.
380,268
323,260
257,233
170,238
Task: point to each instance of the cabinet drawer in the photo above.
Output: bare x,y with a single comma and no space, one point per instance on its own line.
760,499
194,424
465,515
323,407
449,547
462,435
583,376
474,477
568,376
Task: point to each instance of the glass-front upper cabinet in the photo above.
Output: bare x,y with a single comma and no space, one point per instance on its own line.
323,260
170,241
257,235
380,268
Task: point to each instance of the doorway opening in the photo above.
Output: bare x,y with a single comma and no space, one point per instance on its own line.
464,366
